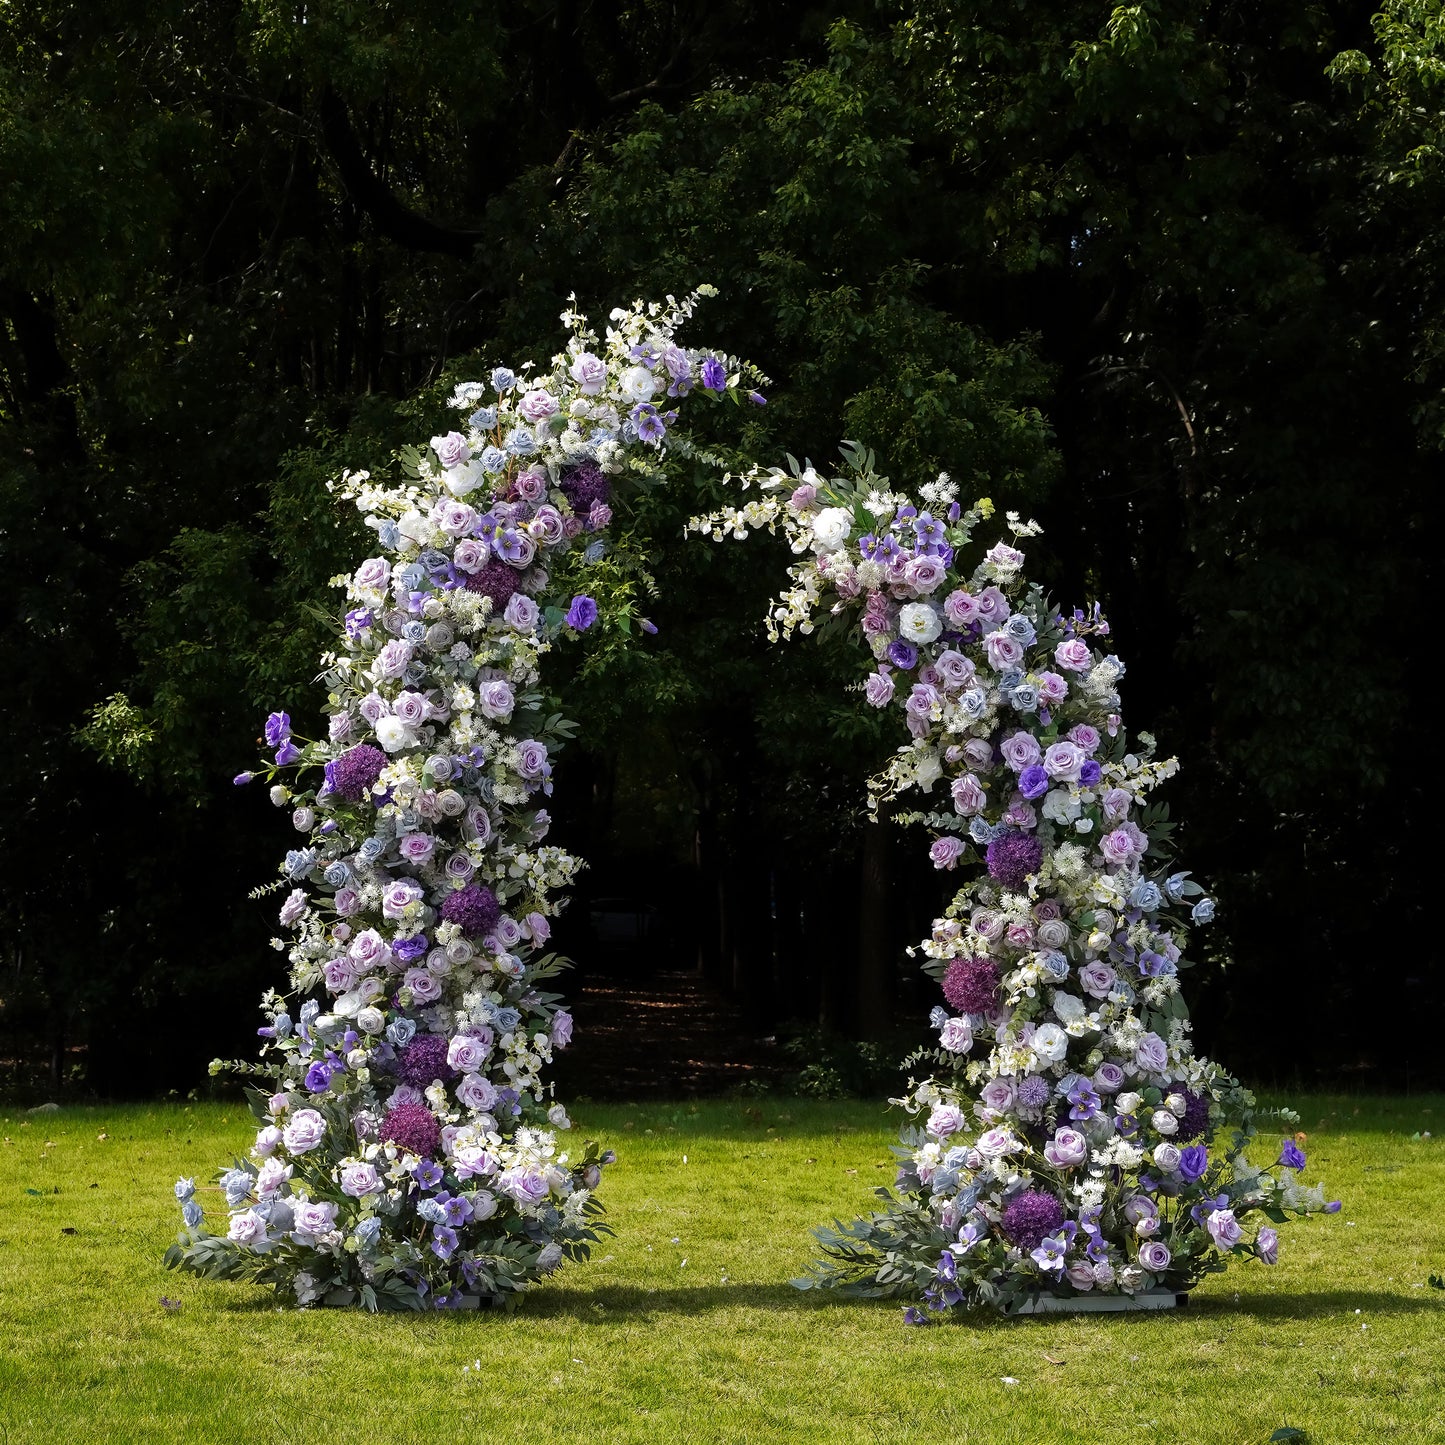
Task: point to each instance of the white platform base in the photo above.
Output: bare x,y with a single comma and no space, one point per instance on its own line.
1101,1304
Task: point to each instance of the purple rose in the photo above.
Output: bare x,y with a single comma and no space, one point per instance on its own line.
1063,761
1086,737
589,372
470,555
714,374
1109,1078
1098,979
968,795
1154,1256
532,759
478,1093
1002,651
903,655
998,1095
1117,847
1223,1229
1066,1149
1116,804
393,659
1090,773
359,1179
526,1186
1053,689
879,689
1193,1162
373,575
581,614
452,449
1033,782
946,852
315,1217
538,406
993,607
1152,1054
278,729
399,895
466,1054
410,708
1073,655
248,1228
304,1130
561,1029
521,613
495,699
416,848
946,1119
1020,750
424,985
1266,1245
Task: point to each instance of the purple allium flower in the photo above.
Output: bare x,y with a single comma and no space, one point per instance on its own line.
1034,1092
1195,1119
353,773
413,1126
1012,856
474,908
422,1061
494,579
1031,1216
971,985
584,486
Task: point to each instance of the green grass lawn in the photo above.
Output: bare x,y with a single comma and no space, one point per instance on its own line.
684,1328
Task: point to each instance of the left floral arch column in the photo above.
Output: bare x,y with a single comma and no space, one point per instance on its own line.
410,1152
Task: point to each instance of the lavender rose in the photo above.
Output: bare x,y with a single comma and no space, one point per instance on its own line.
360,1179
304,1130
1154,1256
1223,1229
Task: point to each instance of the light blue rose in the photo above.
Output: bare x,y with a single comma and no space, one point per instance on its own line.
1203,911
1055,963
1145,895
367,1232
492,460
299,862
521,442
596,550
191,1214
309,1010
484,418
414,632
1025,697
507,1019
389,535
1174,886
411,576
1020,629
185,1189
973,703
282,1025
370,851
503,380
236,1184
400,1032
432,1211
337,874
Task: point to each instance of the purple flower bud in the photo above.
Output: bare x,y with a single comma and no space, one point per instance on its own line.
241,779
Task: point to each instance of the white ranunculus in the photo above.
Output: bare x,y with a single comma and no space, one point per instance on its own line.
1050,1043
1060,806
1128,1103
831,528
1164,1121
392,733
1068,1008
919,622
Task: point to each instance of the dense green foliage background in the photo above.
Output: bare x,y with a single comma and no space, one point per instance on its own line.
1167,276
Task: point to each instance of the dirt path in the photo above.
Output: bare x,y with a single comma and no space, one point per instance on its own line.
666,1036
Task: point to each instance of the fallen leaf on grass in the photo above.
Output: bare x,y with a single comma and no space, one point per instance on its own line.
846,1171
1052,1360
1287,1432
104,1135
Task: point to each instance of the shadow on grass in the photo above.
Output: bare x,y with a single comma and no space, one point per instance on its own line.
604,1305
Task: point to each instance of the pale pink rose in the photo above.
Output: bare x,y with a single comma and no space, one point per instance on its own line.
589,372
968,795
452,449
978,752
988,925
946,852
1066,1149
1052,688
1117,847
946,1119
1002,651
1073,655
993,608
1063,761
470,555
538,405
373,574
998,1095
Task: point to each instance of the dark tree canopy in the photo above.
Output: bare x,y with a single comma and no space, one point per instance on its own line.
1167,276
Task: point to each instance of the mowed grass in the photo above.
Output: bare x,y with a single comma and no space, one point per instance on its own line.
684,1328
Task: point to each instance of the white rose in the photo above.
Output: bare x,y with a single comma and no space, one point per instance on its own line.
1068,1008
392,733
463,479
927,770
1177,1105
1164,1121
918,622
831,528
637,384
1128,1103
1050,1043
1060,806
1166,1157
371,1020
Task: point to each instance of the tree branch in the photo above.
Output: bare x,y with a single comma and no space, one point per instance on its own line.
393,219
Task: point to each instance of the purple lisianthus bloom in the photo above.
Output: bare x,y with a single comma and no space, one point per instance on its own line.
1266,1245
757,398
1083,1100
241,779
287,754
1033,782
278,729
912,1315
947,1268
1090,773
1206,1206
1291,1155
582,613
1049,1256
411,948
903,655
649,424
714,374
1334,1206
1193,1161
